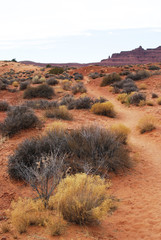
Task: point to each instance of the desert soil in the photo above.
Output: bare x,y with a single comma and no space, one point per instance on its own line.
138,214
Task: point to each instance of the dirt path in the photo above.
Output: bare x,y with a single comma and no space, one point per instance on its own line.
139,212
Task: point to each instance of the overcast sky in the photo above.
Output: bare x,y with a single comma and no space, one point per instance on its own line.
76,30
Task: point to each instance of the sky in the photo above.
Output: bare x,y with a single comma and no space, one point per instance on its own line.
59,31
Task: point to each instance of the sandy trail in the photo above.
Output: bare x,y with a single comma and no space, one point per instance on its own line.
139,212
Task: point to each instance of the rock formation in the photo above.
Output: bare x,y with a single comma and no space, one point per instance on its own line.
136,56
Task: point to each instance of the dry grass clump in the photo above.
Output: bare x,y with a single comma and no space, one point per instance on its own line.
159,101
15,84
142,86
146,124
41,91
60,113
149,103
56,225
26,212
121,132
83,199
56,126
110,78
122,97
105,109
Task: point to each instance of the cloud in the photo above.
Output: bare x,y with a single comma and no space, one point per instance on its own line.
35,19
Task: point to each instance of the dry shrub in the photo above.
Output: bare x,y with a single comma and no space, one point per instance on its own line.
110,78
137,98
121,132
141,74
60,113
56,225
19,118
146,124
26,212
79,87
41,91
105,109
15,84
159,101
83,199
66,85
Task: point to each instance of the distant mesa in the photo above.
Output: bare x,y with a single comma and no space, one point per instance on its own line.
136,56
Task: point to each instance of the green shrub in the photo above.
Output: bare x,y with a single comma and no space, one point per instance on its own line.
83,199
56,70
105,108
41,91
110,78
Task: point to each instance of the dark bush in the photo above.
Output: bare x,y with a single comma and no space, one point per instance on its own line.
56,70
78,76
136,98
52,81
24,85
154,95
18,118
141,74
94,75
81,103
127,85
110,78
3,86
100,151
4,105
125,73
79,87
41,91
32,149
153,67
67,100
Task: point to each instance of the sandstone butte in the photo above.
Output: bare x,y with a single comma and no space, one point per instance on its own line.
136,56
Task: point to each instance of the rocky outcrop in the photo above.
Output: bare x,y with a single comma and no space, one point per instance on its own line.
136,56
